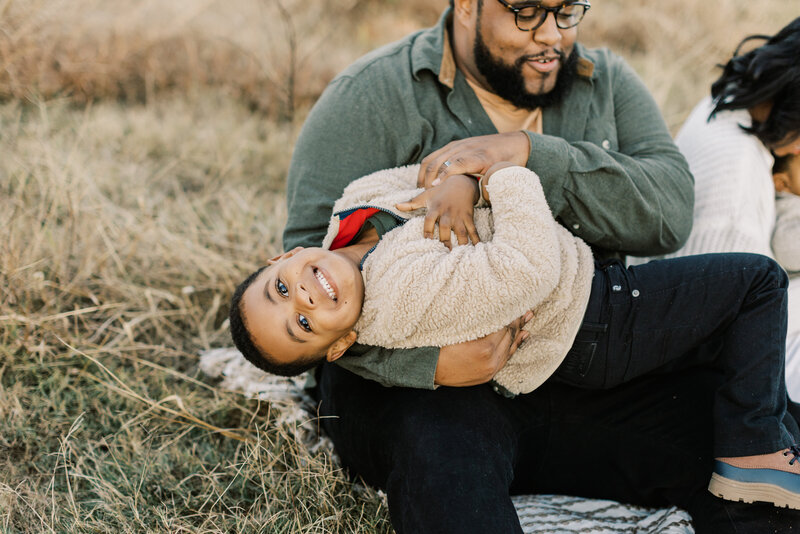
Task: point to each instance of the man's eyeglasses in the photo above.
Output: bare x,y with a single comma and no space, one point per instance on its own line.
529,17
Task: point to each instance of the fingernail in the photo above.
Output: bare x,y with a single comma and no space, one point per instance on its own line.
525,335
437,181
528,316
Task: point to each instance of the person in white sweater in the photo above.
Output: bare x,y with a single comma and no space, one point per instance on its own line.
786,236
592,326
730,141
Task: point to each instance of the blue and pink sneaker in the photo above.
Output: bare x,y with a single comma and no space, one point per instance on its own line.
773,478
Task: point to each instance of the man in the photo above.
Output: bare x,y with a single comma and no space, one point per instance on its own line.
496,81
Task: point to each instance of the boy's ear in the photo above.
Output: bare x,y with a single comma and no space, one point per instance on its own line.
340,346
782,182
289,254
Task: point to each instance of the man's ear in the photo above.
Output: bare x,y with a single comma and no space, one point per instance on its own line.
463,9
782,182
341,345
289,254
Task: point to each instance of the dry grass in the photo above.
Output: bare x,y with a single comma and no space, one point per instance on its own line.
137,185
122,233
675,46
276,55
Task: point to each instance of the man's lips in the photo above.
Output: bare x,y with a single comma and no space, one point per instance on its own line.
544,64
326,283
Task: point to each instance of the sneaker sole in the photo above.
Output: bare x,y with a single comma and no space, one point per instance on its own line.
749,492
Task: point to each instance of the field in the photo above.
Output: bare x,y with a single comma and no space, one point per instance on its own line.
143,151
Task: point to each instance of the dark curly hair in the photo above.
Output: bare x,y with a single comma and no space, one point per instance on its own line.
769,73
244,342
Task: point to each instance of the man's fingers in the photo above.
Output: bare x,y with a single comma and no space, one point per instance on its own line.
443,163
521,336
452,166
429,169
504,348
517,324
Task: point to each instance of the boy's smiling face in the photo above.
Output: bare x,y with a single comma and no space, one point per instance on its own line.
304,304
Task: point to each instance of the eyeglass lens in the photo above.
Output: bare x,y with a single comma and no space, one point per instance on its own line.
567,16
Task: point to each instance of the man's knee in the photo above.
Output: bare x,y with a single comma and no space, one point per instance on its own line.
772,273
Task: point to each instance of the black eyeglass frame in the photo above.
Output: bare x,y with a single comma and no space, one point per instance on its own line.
547,10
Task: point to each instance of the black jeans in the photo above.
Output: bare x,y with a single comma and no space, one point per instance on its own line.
449,459
654,317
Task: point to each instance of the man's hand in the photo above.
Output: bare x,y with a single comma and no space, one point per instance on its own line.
451,205
476,362
473,156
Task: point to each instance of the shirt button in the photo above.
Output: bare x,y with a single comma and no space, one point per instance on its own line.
606,144
576,226
616,288
635,292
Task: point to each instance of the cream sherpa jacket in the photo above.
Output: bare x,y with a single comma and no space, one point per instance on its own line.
419,293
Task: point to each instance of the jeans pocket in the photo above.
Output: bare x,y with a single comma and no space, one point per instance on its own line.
580,367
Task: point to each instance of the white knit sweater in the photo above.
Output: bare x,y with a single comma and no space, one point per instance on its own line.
418,293
735,206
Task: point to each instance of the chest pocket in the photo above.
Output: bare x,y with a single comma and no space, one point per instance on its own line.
603,135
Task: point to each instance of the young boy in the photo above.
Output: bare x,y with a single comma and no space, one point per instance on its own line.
786,236
592,326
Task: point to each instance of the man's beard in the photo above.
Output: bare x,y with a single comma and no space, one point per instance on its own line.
508,82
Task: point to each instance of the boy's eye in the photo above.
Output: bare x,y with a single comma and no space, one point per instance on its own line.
303,322
281,288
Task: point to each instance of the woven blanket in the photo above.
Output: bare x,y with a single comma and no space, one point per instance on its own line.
551,514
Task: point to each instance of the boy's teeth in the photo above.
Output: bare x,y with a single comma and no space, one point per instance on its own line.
325,284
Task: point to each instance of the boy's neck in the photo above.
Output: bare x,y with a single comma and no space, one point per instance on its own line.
355,251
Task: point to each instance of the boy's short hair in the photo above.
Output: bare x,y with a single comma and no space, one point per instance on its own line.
244,342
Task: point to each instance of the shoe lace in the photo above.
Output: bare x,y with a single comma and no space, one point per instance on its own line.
795,450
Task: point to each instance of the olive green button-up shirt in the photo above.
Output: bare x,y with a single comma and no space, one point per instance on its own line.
610,171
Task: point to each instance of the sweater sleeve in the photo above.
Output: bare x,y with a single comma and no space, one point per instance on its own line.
420,290
734,192
626,188
786,237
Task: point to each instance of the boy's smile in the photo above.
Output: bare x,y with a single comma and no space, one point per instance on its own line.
304,305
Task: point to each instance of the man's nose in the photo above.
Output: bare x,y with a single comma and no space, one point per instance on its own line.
548,33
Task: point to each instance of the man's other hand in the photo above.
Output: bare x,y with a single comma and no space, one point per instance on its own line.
476,362
473,155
